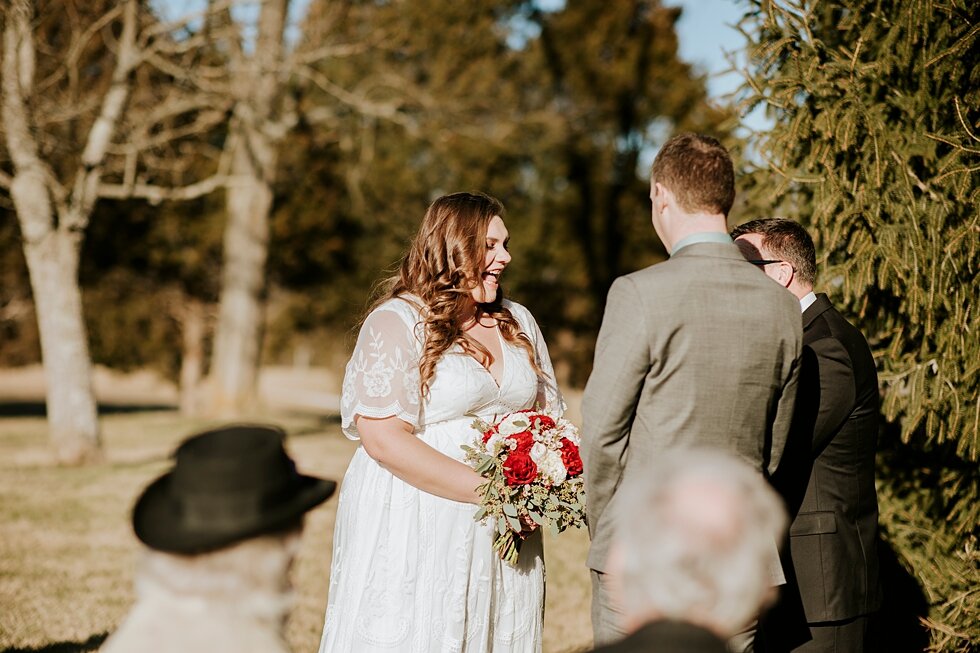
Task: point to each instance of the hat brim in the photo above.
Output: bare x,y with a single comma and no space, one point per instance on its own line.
157,522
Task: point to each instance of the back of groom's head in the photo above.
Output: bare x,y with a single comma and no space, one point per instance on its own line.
698,171
695,541
785,240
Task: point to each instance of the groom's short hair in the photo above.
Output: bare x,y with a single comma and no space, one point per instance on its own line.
786,240
698,171
695,541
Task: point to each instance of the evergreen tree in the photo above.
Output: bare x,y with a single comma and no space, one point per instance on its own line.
876,149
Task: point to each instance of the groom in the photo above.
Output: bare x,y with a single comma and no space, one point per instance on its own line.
698,350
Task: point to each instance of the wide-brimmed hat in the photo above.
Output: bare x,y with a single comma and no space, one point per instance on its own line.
227,485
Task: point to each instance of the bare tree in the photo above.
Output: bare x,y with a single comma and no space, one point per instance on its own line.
190,107
53,218
261,84
59,173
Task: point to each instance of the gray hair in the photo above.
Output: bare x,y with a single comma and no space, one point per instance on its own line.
696,537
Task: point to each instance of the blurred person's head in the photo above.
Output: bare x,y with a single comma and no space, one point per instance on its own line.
782,249
695,539
692,187
228,485
221,529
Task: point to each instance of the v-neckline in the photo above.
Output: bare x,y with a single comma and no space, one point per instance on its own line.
503,361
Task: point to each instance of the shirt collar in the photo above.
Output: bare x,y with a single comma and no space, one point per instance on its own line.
702,237
806,300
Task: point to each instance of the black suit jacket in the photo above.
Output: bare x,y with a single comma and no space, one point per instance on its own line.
827,474
667,637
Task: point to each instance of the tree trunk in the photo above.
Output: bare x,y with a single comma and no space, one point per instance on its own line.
238,336
234,370
52,261
192,319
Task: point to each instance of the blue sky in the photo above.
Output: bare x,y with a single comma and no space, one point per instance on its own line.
705,32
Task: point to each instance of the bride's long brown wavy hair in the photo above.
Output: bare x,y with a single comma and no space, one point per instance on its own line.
443,265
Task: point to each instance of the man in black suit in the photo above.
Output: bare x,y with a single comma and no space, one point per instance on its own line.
691,553
827,474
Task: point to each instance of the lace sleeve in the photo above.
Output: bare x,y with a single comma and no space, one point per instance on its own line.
382,376
549,395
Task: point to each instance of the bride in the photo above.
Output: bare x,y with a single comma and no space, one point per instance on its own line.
412,570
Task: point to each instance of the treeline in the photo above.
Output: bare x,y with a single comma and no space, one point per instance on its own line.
261,175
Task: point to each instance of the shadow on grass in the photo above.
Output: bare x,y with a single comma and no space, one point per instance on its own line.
38,409
91,644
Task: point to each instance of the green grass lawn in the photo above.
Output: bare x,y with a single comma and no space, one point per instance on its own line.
67,551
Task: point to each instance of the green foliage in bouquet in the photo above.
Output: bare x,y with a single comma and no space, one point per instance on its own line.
875,148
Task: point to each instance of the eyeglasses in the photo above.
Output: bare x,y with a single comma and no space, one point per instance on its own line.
762,261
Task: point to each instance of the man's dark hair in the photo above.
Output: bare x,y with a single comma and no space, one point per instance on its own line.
787,241
698,171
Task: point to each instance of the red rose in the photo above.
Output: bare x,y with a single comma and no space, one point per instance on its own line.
543,421
524,441
488,434
519,469
570,457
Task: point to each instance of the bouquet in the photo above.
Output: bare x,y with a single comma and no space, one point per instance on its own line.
534,476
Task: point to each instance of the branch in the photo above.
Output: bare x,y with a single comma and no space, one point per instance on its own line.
156,194
200,125
316,55
360,103
178,72
14,309
85,191
18,80
78,44
966,127
181,106
911,173
16,88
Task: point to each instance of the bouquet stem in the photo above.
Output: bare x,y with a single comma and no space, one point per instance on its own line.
508,546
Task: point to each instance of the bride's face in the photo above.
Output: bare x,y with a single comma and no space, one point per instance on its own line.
497,258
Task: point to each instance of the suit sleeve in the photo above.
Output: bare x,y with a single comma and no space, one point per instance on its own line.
786,403
622,361
837,393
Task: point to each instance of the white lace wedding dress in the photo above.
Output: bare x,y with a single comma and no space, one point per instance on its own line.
412,571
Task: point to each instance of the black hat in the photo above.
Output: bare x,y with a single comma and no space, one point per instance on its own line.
228,484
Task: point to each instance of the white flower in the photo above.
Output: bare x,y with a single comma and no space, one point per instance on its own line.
538,451
513,424
570,431
552,468
493,442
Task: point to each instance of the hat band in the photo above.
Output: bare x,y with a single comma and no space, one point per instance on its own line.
228,511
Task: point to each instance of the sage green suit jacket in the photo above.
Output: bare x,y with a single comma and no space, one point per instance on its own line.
702,350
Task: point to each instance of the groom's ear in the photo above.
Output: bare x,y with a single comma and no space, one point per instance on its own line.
783,273
661,196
